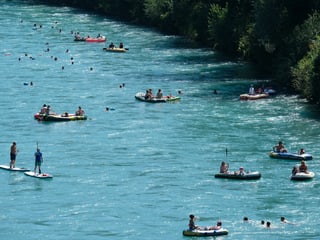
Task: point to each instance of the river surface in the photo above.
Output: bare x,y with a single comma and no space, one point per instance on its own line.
139,170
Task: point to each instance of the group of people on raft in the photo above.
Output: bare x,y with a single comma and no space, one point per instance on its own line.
46,110
224,168
111,45
193,226
78,37
303,168
280,148
149,95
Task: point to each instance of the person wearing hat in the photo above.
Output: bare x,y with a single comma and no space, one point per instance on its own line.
241,171
303,167
38,161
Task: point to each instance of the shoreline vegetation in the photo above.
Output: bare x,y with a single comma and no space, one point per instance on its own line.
280,37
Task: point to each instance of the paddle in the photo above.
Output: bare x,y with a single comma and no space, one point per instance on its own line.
227,159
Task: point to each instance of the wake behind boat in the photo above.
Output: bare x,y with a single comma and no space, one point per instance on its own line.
205,233
15,169
141,97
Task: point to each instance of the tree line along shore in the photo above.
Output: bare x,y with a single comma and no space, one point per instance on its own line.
280,37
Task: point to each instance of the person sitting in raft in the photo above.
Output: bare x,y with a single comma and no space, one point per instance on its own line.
65,114
77,36
48,110
224,167
159,94
192,225
241,171
79,112
111,45
43,109
217,227
121,45
294,171
303,167
302,151
280,148
148,94
251,90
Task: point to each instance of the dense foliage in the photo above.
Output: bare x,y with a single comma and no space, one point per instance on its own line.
280,36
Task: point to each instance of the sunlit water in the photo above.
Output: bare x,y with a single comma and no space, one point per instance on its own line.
138,171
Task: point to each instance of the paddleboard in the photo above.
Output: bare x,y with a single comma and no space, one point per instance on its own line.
37,175
5,167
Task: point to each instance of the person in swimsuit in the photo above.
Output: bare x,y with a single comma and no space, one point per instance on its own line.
280,148
224,167
192,225
13,155
303,167
79,112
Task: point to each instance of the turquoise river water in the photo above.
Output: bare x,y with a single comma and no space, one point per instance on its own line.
139,170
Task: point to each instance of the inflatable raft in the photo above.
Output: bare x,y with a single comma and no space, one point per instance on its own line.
247,96
140,96
80,39
290,156
99,39
234,175
115,49
59,117
301,176
205,233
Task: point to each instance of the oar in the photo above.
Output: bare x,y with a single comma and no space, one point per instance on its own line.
227,158
127,49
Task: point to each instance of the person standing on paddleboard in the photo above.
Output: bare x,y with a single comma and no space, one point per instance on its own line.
38,161
13,155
